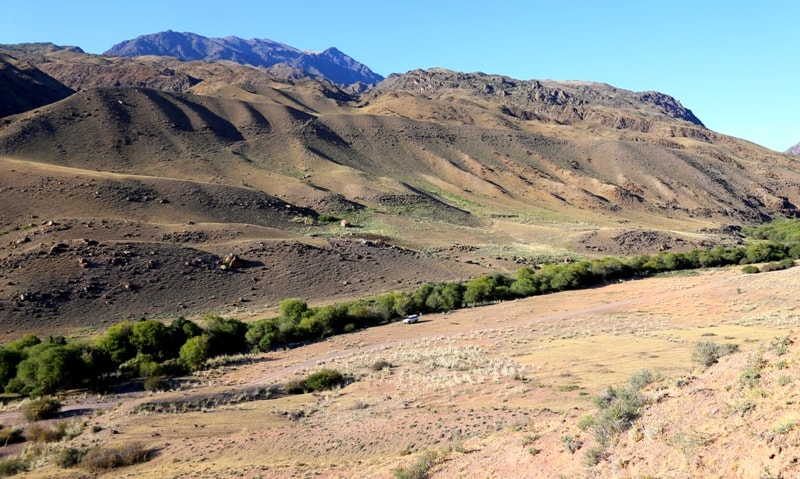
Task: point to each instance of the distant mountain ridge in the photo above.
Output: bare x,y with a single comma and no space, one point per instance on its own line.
563,102
331,64
795,150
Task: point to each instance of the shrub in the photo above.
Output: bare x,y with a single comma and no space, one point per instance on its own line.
156,383
750,269
786,263
418,470
149,368
41,408
11,466
324,379
641,379
295,386
69,457
173,367
11,436
37,433
769,267
571,444
780,346
380,365
593,456
586,422
327,218
99,459
752,372
706,353
618,408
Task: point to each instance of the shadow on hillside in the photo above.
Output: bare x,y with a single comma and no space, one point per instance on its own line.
75,413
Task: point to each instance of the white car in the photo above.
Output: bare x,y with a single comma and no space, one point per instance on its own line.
411,319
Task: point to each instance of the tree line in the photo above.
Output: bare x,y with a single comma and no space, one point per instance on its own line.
151,349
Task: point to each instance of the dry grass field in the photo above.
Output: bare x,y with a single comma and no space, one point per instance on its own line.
491,392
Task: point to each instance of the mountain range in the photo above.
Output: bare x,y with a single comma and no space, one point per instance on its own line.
129,177
330,64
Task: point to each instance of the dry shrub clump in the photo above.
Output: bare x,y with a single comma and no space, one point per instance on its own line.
380,365
42,408
99,458
37,433
706,353
69,457
420,468
617,408
318,381
10,435
11,466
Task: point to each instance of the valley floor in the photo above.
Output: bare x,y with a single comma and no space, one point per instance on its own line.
491,391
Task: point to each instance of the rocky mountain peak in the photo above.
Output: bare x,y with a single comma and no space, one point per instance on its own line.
331,64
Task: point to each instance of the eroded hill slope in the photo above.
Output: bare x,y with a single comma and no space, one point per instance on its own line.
471,173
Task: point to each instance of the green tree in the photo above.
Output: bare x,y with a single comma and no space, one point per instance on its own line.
152,338
293,309
195,351
117,342
262,335
383,306
403,304
482,290
180,330
50,368
25,342
445,296
545,277
225,335
764,251
9,360
570,276
609,269
330,319
526,282
420,296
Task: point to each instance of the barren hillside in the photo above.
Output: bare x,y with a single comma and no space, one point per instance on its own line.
465,174
25,87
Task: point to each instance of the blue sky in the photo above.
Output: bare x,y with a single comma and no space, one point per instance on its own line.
734,63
